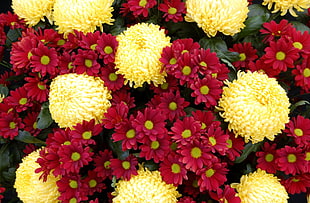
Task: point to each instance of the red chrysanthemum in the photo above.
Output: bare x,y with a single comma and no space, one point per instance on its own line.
191,184
89,40
274,31
206,61
93,183
115,115
83,132
186,199
173,10
102,164
37,88
124,168
19,100
246,52
186,71
49,37
235,146
5,76
291,160
206,118
66,62
302,74
260,66
301,41
71,189
106,46
141,7
86,62
299,129
30,122
44,60
228,194
266,158
58,138
12,20
216,139
112,80
207,90
297,184
123,96
170,85
10,124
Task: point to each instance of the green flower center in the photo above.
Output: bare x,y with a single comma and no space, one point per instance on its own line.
202,63
214,75
61,42
142,3
173,146
186,133
12,125
87,135
186,70
35,125
212,140
195,184
92,183
131,133
73,200
70,66
172,10
107,164
41,86
242,56
154,144
173,106
229,142
67,143
112,77
204,90
73,184
75,156
148,125
126,165
93,46
295,180
175,168
164,86
23,101
269,157
298,45
280,55
88,63
306,72
45,60
108,50
196,152
210,172
291,158
203,126
307,156
173,61
29,55
298,132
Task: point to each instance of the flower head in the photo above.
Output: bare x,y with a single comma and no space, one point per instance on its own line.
28,185
226,16
287,5
255,106
135,43
260,186
74,98
147,186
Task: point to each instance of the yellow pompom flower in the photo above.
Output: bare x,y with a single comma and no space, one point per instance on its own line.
32,11
255,106
145,187
287,5
261,187
138,53
77,97
82,15
226,16
29,187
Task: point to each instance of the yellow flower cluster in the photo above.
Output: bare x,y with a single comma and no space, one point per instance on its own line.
260,187
255,106
287,5
226,16
77,97
145,187
138,53
29,187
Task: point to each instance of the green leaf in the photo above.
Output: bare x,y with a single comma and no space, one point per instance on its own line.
300,26
4,90
257,10
44,117
117,149
4,157
26,137
297,104
12,36
248,149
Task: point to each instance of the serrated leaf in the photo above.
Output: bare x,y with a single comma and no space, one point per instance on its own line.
299,103
26,137
44,117
300,26
4,90
248,149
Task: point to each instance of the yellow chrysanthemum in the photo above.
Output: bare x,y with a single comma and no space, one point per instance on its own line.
29,187
287,5
260,187
82,15
255,106
145,187
32,11
1,98
138,53
77,97
226,16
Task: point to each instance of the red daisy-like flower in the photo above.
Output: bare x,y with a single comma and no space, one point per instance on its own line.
216,139
83,132
302,74
301,41
281,54
222,73
191,184
173,10
74,156
297,184
266,158
37,88
291,160
124,168
86,62
187,71
186,199
111,80
169,58
44,60
141,7
206,61
115,115
260,66
156,149
19,100
149,124
66,62
73,40
207,90
212,176
71,189
58,138
10,124
93,183
172,170
89,40
123,96
246,52
5,76
274,31
299,128
28,149
170,85
49,37
30,122
235,146
12,20
228,194
106,46
206,118
102,164
186,130
172,105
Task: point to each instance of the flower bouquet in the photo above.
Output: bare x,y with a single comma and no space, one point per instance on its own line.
155,101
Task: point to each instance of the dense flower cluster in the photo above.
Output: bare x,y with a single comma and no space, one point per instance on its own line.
154,101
